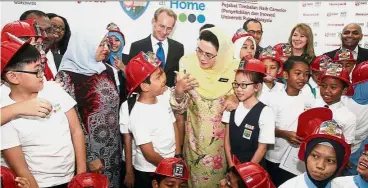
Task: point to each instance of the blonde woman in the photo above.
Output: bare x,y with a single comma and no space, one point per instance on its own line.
301,40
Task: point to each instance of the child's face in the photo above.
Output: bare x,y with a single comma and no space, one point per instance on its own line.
244,92
322,162
298,76
247,49
272,69
315,76
158,82
170,182
331,90
348,65
363,165
32,81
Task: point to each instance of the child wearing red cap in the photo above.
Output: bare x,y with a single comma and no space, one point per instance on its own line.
250,128
318,66
357,181
171,172
272,60
334,83
345,57
325,153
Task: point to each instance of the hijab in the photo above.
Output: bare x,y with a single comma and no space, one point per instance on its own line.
238,45
80,55
118,53
339,150
209,85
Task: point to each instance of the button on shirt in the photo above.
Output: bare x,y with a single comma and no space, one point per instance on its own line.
165,46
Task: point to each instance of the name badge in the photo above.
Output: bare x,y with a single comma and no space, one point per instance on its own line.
251,127
247,134
223,80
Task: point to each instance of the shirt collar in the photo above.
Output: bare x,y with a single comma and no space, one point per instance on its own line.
155,41
310,184
358,180
355,51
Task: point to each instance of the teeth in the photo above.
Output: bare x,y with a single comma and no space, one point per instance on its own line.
363,164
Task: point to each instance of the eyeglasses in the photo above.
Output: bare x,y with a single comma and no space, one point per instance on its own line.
242,85
207,56
252,32
56,27
39,73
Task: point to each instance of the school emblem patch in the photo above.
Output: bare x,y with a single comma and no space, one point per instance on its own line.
134,9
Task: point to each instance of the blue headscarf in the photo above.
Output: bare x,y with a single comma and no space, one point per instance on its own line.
361,93
118,53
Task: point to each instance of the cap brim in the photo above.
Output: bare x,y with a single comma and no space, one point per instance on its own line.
320,114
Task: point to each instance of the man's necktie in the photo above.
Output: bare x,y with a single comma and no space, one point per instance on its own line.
161,54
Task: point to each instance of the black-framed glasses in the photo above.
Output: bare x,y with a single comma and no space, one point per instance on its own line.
207,56
252,32
39,73
242,85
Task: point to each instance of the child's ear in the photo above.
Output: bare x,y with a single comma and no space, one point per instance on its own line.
345,90
258,87
154,184
144,87
12,78
285,75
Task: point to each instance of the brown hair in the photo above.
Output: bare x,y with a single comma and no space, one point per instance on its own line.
168,11
304,29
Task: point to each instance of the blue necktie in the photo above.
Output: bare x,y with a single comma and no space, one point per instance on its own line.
161,54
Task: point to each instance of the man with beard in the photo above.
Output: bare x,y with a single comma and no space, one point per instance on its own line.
350,38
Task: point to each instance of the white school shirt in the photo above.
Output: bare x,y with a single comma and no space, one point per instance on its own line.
46,142
314,85
165,46
343,182
124,122
51,63
266,122
361,113
343,116
287,110
153,123
265,89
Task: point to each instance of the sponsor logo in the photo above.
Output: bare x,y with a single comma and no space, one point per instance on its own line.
338,4
361,14
91,2
193,7
134,9
329,14
359,3
25,2
331,44
318,3
315,44
361,24
343,14
335,24
330,34
307,4
339,34
311,14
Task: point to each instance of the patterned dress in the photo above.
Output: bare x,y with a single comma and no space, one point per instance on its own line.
204,141
98,110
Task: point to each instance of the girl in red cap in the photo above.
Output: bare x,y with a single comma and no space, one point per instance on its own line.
251,126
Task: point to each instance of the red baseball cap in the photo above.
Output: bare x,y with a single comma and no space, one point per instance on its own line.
239,34
330,130
320,63
360,73
251,64
173,167
253,175
335,70
9,49
310,120
344,55
7,178
89,180
139,68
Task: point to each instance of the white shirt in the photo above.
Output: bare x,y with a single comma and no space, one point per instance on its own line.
46,142
165,46
265,89
5,90
314,85
287,110
124,122
51,63
266,122
343,116
153,123
343,182
361,114
295,182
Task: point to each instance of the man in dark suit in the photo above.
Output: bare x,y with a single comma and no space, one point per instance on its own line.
254,27
350,38
167,50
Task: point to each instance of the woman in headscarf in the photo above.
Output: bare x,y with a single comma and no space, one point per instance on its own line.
244,45
213,67
92,84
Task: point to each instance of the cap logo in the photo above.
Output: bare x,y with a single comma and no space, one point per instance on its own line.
248,179
324,62
268,52
286,49
334,69
112,26
242,65
331,128
178,170
344,54
150,57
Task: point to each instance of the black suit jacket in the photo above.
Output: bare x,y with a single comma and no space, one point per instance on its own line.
175,52
362,54
258,51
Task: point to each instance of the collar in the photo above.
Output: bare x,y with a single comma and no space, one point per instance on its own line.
313,83
155,41
310,184
355,51
358,180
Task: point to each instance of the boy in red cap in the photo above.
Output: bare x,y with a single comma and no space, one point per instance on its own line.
345,57
45,155
250,128
171,172
357,181
325,153
334,83
272,60
318,66
156,134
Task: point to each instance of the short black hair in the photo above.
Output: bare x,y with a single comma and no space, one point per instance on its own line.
139,89
63,44
158,178
26,55
289,63
209,37
245,25
206,26
241,183
25,14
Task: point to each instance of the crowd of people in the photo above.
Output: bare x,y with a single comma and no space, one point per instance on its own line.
77,112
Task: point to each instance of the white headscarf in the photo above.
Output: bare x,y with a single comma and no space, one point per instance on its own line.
238,44
80,54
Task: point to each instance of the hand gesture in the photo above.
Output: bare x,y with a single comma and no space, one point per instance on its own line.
22,182
119,64
96,166
184,83
293,138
